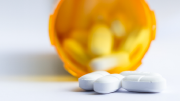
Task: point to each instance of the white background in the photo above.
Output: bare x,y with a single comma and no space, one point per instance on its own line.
24,42
25,50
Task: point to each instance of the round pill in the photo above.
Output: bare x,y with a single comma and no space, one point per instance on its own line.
127,73
139,83
86,81
108,84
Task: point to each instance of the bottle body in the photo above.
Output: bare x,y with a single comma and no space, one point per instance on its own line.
91,34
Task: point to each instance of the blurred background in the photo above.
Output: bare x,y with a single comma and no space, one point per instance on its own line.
25,48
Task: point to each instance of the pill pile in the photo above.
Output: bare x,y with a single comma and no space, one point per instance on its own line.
104,47
103,82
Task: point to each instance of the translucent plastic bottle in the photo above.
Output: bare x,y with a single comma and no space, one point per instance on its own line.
93,35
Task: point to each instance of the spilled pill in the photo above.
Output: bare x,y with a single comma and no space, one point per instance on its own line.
108,84
103,82
86,81
140,83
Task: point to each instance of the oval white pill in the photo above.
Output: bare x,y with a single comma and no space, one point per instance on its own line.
139,83
108,84
86,81
110,61
127,73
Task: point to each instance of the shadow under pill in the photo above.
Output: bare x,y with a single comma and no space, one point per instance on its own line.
127,92
81,90
94,93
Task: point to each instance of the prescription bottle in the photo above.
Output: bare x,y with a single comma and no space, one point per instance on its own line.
94,35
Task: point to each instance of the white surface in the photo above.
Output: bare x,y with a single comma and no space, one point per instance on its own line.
25,50
69,91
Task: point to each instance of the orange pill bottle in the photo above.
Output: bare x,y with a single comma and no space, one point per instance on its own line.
110,35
